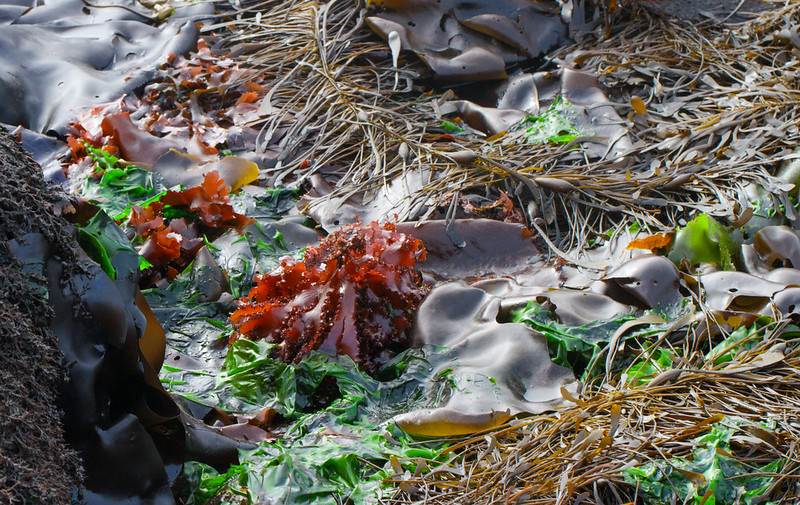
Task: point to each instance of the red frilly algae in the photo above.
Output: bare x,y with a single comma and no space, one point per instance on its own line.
355,294
170,246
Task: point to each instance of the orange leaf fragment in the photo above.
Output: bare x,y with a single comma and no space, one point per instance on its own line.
162,247
248,97
146,220
254,86
653,242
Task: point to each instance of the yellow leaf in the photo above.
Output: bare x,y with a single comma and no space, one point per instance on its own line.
443,422
638,105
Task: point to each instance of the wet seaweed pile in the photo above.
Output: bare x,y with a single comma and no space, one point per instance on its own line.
687,370
628,152
76,350
429,252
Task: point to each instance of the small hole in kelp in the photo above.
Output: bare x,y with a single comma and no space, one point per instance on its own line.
355,294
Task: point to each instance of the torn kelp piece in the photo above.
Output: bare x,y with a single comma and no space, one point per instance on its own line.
527,101
499,369
488,120
394,197
472,41
771,286
778,246
56,60
644,282
744,293
652,281
786,302
575,308
738,291
472,248
789,276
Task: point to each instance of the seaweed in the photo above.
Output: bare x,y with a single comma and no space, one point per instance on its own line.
705,240
116,187
355,294
711,475
335,445
176,226
555,125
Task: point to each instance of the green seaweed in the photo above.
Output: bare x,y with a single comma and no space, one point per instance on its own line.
646,369
103,240
711,475
338,445
705,240
554,126
743,338
451,127
120,187
328,467
576,347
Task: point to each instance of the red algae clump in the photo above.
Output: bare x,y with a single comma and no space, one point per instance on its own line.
355,294
170,246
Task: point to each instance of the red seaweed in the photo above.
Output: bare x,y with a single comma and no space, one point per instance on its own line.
210,201
171,246
194,105
354,294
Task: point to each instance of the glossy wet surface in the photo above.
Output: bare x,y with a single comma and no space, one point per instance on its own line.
197,124
58,58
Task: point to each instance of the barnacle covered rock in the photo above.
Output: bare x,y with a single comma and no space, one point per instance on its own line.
355,294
